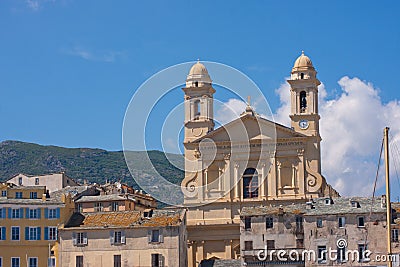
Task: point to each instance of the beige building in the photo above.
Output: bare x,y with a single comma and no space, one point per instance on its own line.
238,169
53,182
155,238
115,197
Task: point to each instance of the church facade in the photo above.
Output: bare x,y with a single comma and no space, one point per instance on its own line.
251,161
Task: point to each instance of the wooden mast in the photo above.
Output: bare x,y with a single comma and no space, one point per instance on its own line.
388,206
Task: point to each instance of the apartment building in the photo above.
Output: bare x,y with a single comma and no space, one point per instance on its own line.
29,218
321,232
125,238
53,182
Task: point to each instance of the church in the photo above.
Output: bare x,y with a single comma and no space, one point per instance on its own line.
249,162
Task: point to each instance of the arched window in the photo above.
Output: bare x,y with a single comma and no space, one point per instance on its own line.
302,76
196,84
250,183
197,108
303,101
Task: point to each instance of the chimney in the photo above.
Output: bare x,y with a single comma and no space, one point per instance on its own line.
44,197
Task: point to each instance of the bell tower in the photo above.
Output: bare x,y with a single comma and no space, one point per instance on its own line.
199,117
304,104
304,97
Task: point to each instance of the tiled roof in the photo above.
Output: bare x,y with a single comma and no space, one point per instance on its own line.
341,205
125,219
28,187
220,263
73,190
270,210
112,197
28,201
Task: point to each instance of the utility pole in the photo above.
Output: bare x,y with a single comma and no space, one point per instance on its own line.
388,206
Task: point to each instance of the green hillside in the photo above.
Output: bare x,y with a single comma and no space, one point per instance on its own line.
94,165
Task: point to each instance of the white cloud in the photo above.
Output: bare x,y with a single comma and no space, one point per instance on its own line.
32,4
105,56
226,112
351,128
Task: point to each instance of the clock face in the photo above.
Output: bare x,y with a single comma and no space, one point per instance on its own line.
303,124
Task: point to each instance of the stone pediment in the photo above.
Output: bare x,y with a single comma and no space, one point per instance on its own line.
250,127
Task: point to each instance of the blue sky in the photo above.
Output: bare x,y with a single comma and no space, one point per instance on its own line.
69,68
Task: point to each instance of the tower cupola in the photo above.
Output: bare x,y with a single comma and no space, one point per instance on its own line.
198,76
303,68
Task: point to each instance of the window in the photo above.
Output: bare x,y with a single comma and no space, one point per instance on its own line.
33,213
1,262
395,235
98,206
299,222
79,239
270,244
319,222
32,233
33,195
361,252
270,222
300,243
79,207
322,254
36,181
341,254
16,213
18,195
360,222
302,76
33,262
20,180
196,108
247,223
250,183
341,222
328,201
303,101
114,206
155,236
117,261
117,237
50,233
4,194
79,261
15,262
2,233
157,260
248,245
51,262
354,204
15,233
52,213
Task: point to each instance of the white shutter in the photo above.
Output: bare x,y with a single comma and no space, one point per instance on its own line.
85,239
149,236
112,237
161,236
123,238
74,240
